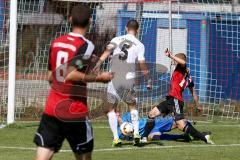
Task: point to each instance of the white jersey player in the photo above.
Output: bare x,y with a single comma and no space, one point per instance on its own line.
127,52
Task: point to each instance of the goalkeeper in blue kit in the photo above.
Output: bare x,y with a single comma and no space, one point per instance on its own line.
162,125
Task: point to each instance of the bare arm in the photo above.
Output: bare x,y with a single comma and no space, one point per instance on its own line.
106,53
76,76
178,60
195,98
194,94
175,58
109,49
50,78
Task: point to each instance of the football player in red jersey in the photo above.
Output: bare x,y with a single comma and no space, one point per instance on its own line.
66,112
180,80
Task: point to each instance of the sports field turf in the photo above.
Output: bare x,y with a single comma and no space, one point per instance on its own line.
16,144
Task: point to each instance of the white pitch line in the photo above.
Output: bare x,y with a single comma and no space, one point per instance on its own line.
135,148
18,148
167,147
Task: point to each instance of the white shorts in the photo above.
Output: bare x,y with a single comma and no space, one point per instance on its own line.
121,92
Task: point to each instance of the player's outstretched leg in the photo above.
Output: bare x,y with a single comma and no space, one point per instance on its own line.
147,129
135,122
189,129
113,122
150,123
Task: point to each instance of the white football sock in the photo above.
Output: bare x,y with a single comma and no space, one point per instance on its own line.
135,120
112,119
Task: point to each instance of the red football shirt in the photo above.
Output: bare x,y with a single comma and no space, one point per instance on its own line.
178,83
67,100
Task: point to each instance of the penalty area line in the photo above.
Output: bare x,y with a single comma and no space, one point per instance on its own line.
134,148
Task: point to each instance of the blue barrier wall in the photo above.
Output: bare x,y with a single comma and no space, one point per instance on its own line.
224,63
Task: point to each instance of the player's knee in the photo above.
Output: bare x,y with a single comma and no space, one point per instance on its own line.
111,113
44,153
131,106
187,124
111,107
43,158
153,113
181,127
181,124
85,156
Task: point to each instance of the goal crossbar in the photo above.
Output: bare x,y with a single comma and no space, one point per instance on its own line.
111,1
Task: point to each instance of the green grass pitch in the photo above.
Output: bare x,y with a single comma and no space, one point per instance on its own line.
16,144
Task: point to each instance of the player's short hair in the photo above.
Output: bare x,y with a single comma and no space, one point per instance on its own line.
133,24
182,56
80,16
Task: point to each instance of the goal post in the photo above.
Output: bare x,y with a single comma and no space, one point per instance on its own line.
12,61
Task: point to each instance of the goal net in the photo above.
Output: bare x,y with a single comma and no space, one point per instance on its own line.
207,32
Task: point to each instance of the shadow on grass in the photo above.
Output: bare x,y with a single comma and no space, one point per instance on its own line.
129,143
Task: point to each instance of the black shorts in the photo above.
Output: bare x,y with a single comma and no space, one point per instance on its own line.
172,105
52,132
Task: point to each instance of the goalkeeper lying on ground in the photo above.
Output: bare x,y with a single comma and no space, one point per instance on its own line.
162,125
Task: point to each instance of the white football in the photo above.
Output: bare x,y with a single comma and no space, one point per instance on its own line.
127,128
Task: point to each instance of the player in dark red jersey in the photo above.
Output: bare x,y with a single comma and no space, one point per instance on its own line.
174,102
66,112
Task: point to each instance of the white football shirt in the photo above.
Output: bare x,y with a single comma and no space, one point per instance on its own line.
133,50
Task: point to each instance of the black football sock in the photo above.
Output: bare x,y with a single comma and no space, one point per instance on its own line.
148,127
172,137
156,137
193,132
